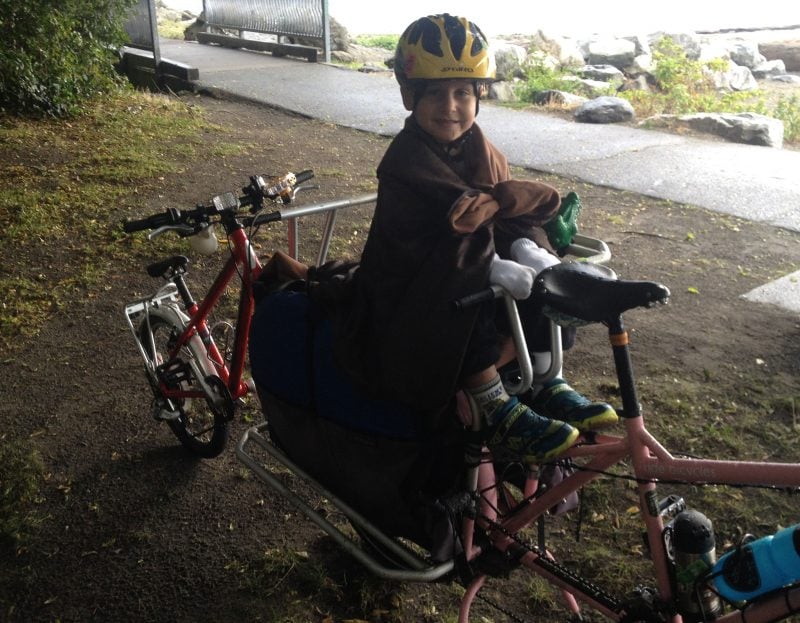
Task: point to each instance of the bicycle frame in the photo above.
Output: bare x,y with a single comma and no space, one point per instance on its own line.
651,462
243,262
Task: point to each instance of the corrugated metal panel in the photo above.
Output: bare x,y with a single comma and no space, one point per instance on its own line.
138,25
299,18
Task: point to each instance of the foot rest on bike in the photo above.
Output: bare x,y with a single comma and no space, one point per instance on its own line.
592,292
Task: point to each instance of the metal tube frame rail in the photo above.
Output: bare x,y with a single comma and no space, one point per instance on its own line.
291,215
585,248
421,572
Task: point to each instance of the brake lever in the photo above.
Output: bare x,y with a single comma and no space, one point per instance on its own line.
183,230
297,189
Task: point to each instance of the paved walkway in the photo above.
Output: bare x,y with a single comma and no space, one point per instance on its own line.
755,183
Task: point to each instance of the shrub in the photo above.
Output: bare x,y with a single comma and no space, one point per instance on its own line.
386,42
788,111
56,55
539,76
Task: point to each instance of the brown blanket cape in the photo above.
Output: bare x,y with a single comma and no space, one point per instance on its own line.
431,241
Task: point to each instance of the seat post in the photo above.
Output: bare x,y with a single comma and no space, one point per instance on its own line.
619,339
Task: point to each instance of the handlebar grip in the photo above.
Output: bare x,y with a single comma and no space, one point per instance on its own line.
303,176
474,299
170,217
151,222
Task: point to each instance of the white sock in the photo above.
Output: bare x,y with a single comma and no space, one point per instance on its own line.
489,397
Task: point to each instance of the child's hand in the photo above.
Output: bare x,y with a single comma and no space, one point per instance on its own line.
515,278
528,253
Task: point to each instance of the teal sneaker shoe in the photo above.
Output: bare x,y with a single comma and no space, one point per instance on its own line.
558,400
520,434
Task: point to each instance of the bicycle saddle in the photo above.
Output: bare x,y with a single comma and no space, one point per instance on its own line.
592,292
171,264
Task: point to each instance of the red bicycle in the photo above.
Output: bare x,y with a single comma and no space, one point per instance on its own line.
198,385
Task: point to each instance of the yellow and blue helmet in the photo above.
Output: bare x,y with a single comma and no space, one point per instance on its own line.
441,47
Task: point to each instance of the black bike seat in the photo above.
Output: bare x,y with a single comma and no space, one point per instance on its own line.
173,264
592,292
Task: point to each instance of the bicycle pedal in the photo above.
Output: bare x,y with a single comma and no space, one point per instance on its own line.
173,373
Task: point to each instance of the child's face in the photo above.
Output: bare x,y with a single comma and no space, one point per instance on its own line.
447,109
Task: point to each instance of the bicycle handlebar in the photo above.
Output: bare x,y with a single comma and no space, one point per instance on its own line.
188,222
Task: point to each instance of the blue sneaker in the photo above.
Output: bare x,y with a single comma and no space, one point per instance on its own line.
558,400
523,435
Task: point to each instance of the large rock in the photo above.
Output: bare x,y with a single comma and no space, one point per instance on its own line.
786,78
748,127
503,91
510,59
734,78
787,51
689,42
606,73
606,109
768,69
617,52
565,50
745,53
554,97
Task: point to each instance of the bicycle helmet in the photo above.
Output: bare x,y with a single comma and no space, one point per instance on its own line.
440,47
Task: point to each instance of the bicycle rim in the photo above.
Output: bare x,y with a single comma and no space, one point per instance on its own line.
200,426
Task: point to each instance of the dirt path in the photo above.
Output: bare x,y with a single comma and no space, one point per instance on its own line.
136,530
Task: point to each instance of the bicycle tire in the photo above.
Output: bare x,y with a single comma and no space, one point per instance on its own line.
201,426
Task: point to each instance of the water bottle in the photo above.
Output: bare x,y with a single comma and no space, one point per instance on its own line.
694,554
758,567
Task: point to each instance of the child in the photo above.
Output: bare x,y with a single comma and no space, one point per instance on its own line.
448,222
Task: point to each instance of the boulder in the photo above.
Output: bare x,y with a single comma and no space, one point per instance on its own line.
503,91
745,53
786,78
769,68
749,128
509,58
554,97
689,42
565,50
787,51
605,73
606,109
734,78
617,52
594,88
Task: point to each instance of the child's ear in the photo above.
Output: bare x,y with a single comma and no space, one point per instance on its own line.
408,97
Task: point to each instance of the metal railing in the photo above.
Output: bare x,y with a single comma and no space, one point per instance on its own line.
287,18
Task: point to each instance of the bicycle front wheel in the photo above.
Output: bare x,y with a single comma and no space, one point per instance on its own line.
200,425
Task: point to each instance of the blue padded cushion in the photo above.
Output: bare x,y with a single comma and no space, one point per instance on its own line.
291,356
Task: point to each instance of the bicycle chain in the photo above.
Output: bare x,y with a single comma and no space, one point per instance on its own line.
557,569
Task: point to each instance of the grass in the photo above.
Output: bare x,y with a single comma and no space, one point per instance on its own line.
116,147
21,475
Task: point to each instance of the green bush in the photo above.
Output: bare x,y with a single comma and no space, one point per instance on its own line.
387,42
56,55
788,111
539,76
